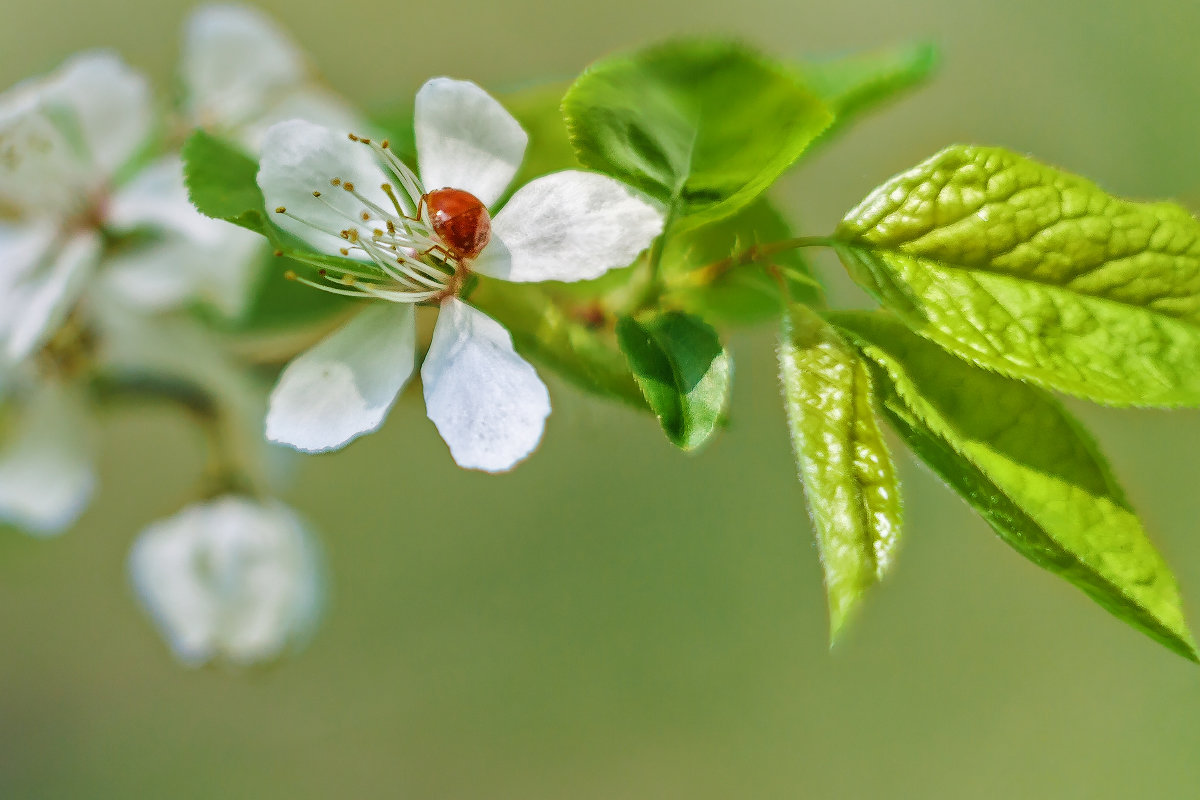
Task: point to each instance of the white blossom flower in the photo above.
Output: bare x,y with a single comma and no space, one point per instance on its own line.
66,140
241,74
231,579
421,237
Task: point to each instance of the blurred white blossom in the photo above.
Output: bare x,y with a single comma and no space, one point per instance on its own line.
97,244
424,235
241,74
230,580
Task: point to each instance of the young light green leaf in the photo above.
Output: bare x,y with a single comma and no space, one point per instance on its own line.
1037,274
702,126
744,294
855,84
683,371
222,181
847,471
1028,467
543,330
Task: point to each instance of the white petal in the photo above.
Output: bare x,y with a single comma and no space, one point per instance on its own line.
570,226
487,402
41,171
42,301
235,58
229,579
315,105
157,197
46,475
22,247
345,385
175,271
466,140
109,102
299,158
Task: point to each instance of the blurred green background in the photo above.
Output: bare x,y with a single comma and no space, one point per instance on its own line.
614,619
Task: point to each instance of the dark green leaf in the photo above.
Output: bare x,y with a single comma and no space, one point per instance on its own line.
1016,455
847,471
703,126
856,84
683,371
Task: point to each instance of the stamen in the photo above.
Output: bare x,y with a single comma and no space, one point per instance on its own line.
313,225
410,182
330,289
405,275
371,205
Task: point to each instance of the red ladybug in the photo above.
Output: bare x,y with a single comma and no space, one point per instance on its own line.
460,220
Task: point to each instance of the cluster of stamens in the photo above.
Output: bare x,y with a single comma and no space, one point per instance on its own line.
413,263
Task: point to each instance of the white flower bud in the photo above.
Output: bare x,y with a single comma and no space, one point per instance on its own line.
231,580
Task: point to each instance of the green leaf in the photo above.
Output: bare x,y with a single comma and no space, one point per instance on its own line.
1037,274
222,181
853,85
702,126
847,471
1028,468
747,293
683,371
544,331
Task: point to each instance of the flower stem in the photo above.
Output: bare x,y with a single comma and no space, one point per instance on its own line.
223,474
753,254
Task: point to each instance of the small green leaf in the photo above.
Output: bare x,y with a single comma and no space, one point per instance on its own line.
1016,455
747,293
683,371
847,471
853,85
1037,274
703,126
222,181
544,331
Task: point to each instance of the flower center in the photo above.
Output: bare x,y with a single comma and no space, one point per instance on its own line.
419,248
